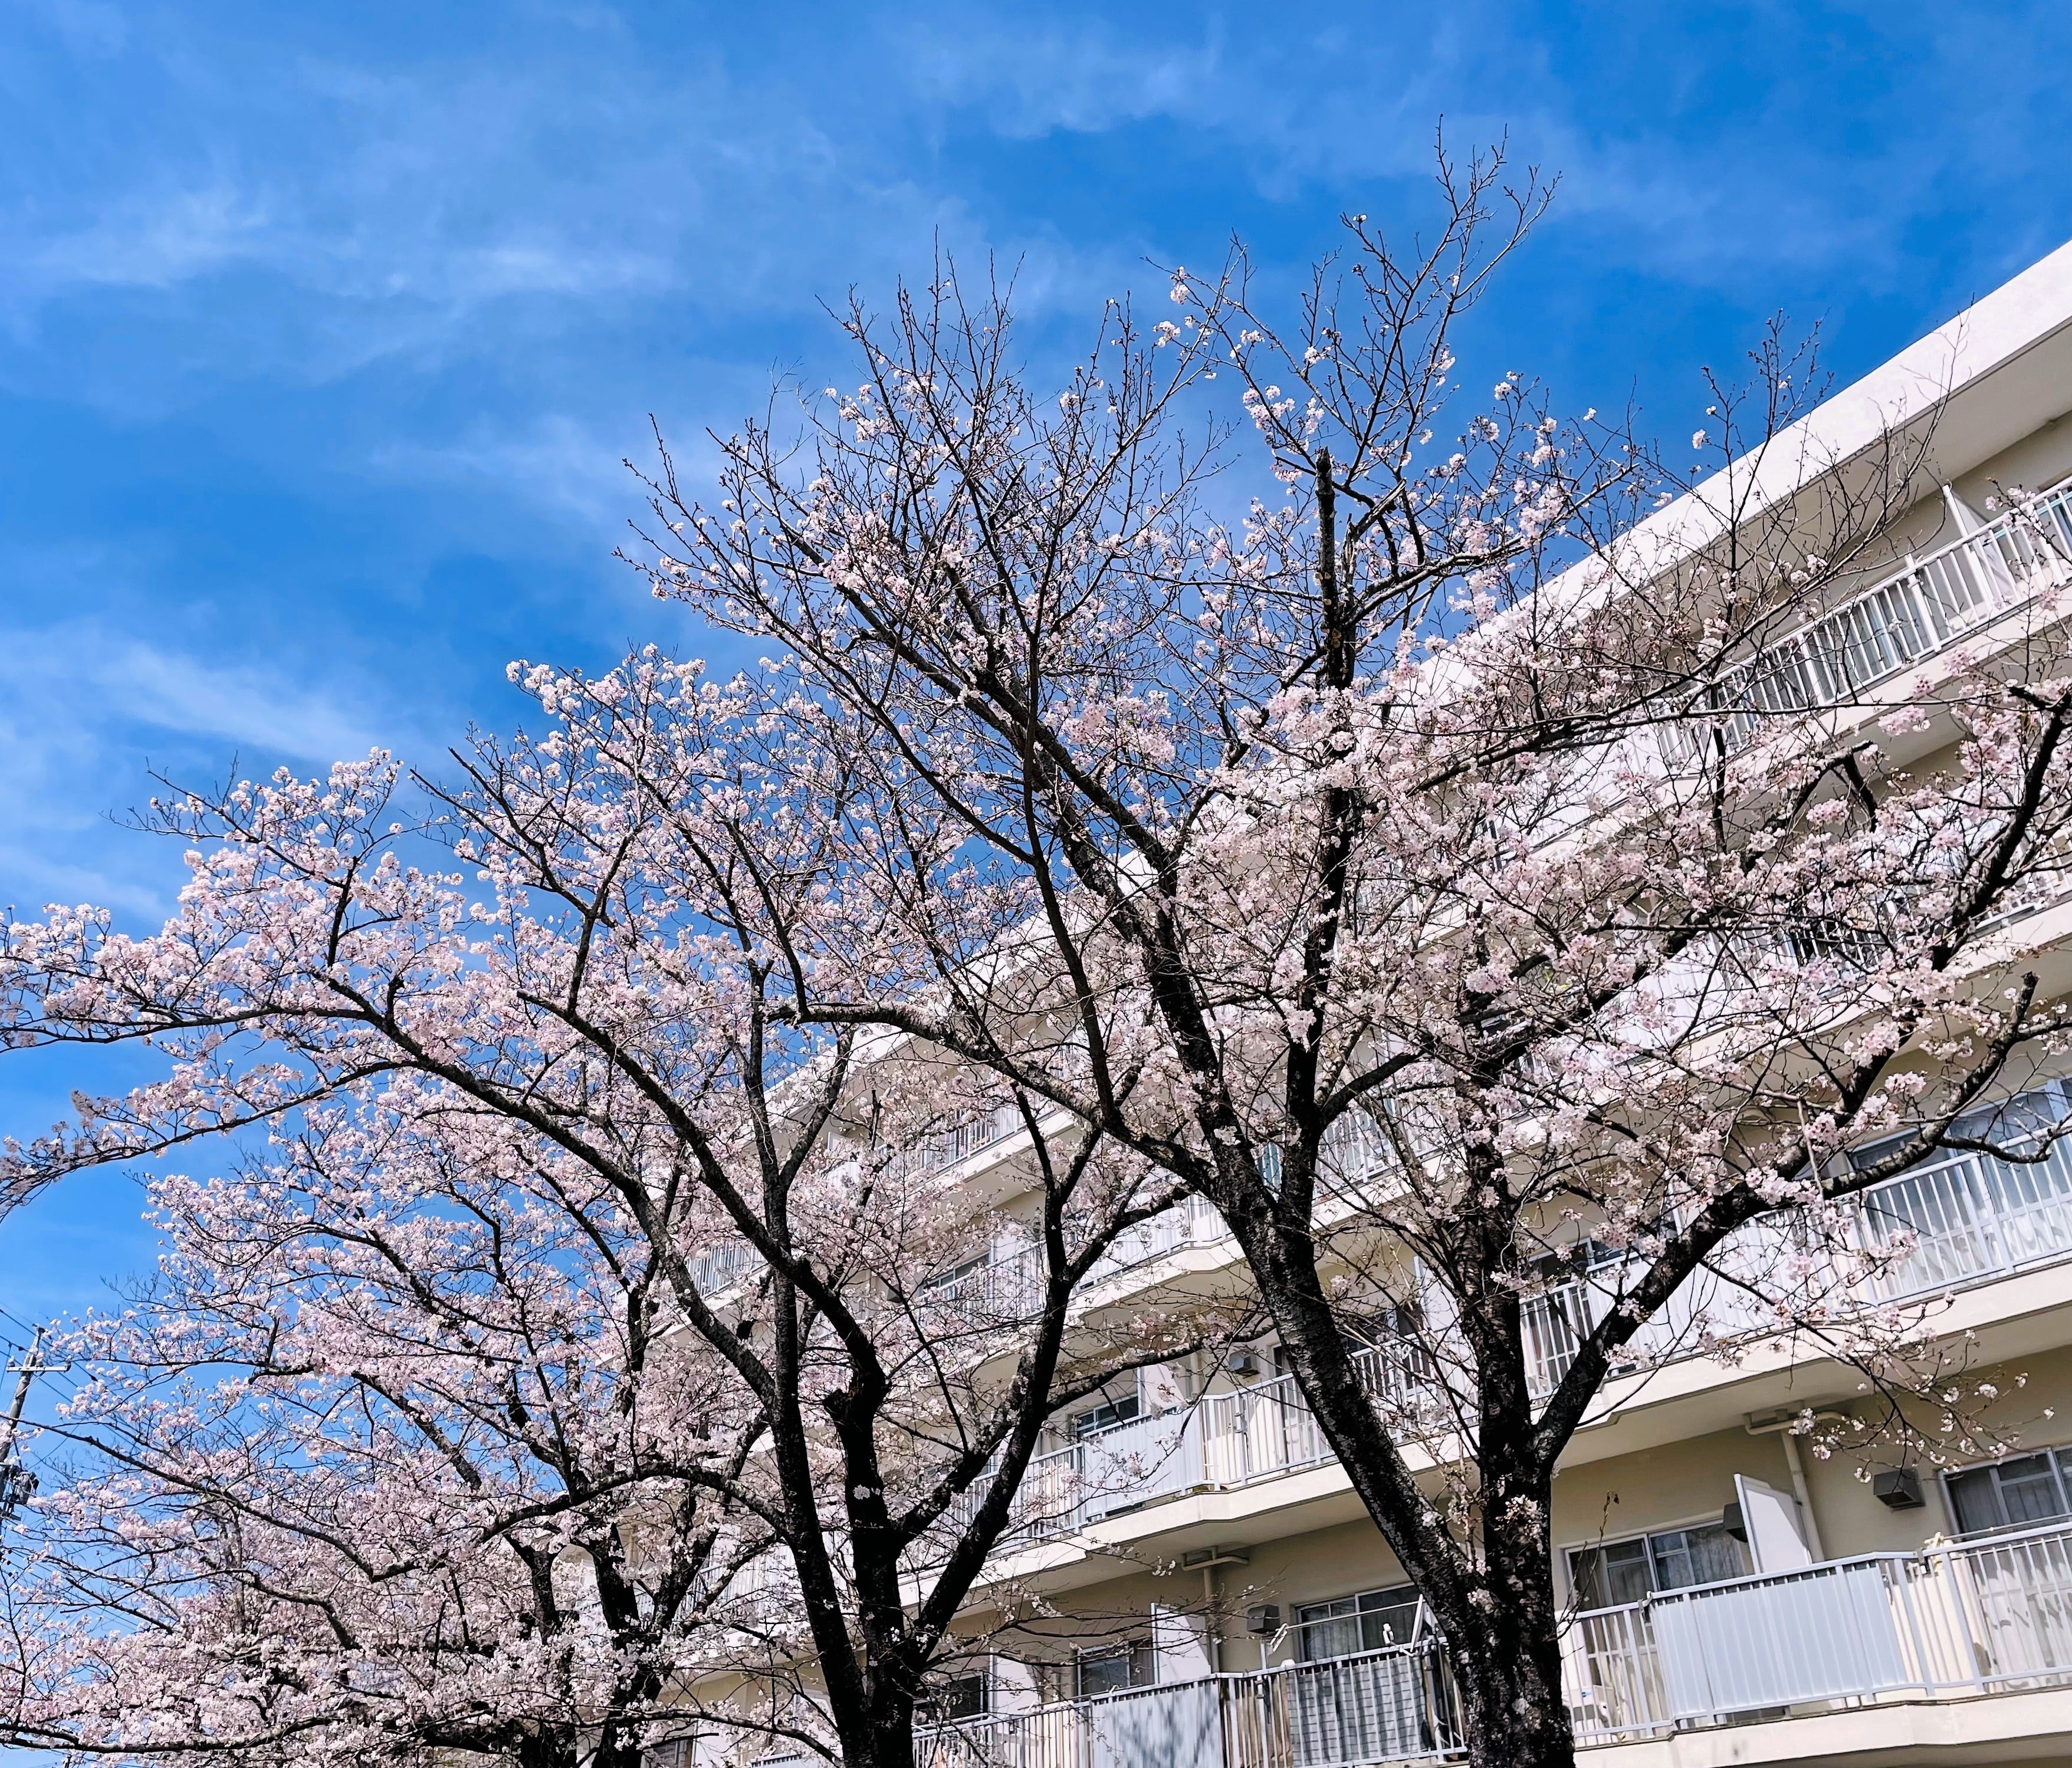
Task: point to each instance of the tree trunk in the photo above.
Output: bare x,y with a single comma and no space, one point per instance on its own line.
1508,1669
1512,1715
889,1740
618,1750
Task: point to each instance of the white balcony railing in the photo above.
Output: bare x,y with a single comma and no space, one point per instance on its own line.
1963,1218
1966,1618
1967,1217
1911,615
723,1265
1341,1712
1931,602
1007,1285
1193,1221
1256,1432
974,1134
1952,1622
1222,1441
1107,1472
1003,1288
1959,1218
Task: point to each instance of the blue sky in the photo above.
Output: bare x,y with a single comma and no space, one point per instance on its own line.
323,329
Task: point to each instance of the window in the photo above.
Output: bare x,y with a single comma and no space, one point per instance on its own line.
1114,1668
2009,1493
1366,1622
1113,1410
1839,942
956,1697
1269,1158
1609,1575
954,1275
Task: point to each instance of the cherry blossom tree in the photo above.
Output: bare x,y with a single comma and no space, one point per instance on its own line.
567,1363
1421,850
1317,788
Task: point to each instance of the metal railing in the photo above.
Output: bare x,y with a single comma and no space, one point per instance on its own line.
2013,1595
1929,603
722,1265
1257,1432
1004,1288
1006,1285
1390,1706
1193,1221
1106,1472
1956,1619
980,1131
1708,1306
1222,1442
1959,1218
1840,1633
1967,1217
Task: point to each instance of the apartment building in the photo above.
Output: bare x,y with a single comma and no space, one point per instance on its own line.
1211,1592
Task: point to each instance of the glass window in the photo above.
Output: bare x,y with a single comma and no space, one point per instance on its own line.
1704,1555
958,1697
1111,1411
2029,1490
1976,1503
1367,1622
1116,1668
956,1274
1611,1576
1618,1573
2026,1489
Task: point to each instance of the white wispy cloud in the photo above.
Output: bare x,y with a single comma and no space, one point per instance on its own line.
159,239
557,461
185,695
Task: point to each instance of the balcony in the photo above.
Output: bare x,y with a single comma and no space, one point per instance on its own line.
1380,1706
1193,1221
974,1134
1966,1219
1935,600
1962,1219
723,1265
1223,1442
1005,1286
1953,1622
1952,1222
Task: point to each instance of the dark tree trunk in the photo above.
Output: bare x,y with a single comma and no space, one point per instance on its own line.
1512,1715
618,1751
1508,1668
889,1740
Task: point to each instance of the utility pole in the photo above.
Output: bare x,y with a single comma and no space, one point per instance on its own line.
18,1485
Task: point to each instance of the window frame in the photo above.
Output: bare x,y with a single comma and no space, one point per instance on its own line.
1120,1410
1647,1537
1421,1624
935,1697
2057,1455
1136,1653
